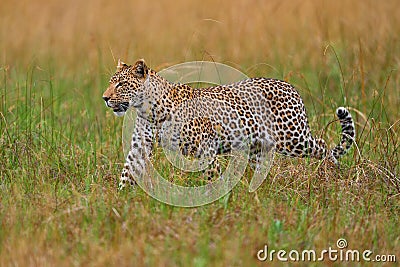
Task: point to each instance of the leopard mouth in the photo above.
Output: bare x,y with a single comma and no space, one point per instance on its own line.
121,109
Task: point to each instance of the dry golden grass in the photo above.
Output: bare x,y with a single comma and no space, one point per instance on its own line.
61,149
244,32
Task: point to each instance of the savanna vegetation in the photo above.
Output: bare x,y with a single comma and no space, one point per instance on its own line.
61,148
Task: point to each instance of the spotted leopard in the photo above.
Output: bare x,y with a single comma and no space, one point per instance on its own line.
266,112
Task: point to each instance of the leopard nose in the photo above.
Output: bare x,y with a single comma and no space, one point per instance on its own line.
106,98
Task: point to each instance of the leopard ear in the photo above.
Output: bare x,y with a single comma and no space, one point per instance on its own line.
140,68
121,65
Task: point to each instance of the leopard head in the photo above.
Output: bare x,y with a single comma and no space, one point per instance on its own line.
126,87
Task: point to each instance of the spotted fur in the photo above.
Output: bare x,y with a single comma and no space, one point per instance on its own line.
266,112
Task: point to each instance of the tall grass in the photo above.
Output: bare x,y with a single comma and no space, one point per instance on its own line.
61,150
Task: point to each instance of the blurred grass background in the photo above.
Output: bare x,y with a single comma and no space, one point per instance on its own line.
61,150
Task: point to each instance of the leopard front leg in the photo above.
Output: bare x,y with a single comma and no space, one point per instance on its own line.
141,147
126,177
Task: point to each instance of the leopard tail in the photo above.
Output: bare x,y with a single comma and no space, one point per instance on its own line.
347,136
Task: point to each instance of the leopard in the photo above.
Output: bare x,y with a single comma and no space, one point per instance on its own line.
266,112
